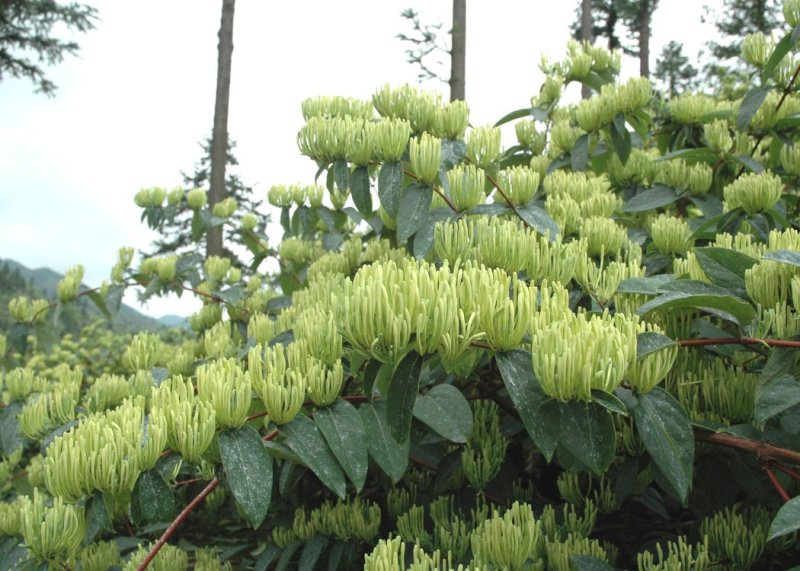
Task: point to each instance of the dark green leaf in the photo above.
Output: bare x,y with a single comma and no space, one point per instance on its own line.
655,197
248,471
10,438
579,155
99,302
750,104
664,428
305,439
645,286
276,304
541,422
371,373
786,521
777,395
738,309
784,256
587,432
749,163
537,218
589,563
286,555
401,396
696,155
725,267
778,53
493,209
359,190
446,411
155,498
650,342
391,456
621,138
423,239
198,226
413,210
390,187
343,430
609,402
98,520
341,174
709,204
452,153
311,552
516,114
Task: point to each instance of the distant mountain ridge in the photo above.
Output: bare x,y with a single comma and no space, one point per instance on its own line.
45,282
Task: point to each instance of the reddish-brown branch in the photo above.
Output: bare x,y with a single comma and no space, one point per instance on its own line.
738,341
787,471
505,197
776,484
760,449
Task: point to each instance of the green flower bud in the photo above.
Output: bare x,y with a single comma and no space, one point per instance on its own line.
208,316
191,423
510,540
68,287
603,236
394,103
756,49
391,139
175,196
754,192
279,196
504,319
520,183
10,520
768,283
249,222
680,555
321,335
52,534
99,556
338,106
217,340
576,354
23,310
165,268
207,558
216,267
559,553
19,383
143,352
466,186
483,146
790,159
196,198
225,208
718,137
169,558
451,121
578,67
423,111
425,156
563,137
142,198
645,373
733,538
690,109
315,194
3,346
529,137
671,235
699,179
791,12
261,328
549,93
223,384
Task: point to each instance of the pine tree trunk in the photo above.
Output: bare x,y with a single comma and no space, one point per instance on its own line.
586,36
219,135
458,50
645,15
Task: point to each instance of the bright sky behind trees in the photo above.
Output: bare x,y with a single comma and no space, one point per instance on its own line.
132,110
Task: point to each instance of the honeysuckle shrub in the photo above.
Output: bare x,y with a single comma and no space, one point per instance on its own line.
577,351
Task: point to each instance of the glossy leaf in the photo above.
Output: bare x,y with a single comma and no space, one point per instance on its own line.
784,256
537,218
579,155
664,428
516,368
650,342
587,432
786,521
621,138
305,440
401,396
390,187
725,267
655,197
609,402
341,174
154,498
248,471
516,114
777,395
453,152
359,190
343,430
589,563
390,455
737,309
312,552
750,104
446,411
413,210
778,53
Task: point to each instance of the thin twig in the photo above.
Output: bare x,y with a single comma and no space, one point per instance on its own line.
776,484
760,449
738,341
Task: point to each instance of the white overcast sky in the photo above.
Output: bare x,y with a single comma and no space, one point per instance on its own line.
132,108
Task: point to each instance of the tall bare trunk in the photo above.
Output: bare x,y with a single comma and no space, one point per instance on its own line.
219,135
586,36
645,15
458,50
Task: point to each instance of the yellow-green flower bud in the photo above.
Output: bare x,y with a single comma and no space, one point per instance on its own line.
529,137
175,196
791,12
520,183
143,352
756,49
283,398
754,192
19,383
699,178
216,267
279,196
217,339
99,556
578,66
689,108
645,373
225,208
452,120
68,287
249,222
315,194
361,147
671,235
3,347
196,198
324,385
394,102
53,534
576,354
191,422
718,136
227,388
425,155
790,159
422,112
603,236
321,335
261,328
563,137
24,310
466,184
142,198
510,540
483,146
549,93
208,316
165,268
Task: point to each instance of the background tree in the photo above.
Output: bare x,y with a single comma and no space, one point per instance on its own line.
219,135
673,69
27,42
586,35
428,47
727,72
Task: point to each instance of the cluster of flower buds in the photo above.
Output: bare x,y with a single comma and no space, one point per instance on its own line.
753,192
190,422
509,540
278,376
483,146
596,112
338,138
168,558
678,556
690,108
678,174
100,555
144,352
769,283
153,196
577,353
68,287
48,410
718,136
52,534
424,111
529,137
671,235
225,208
390,555
485,451
736,535
559,553
757,48
223,384
24,310
424,154
337,106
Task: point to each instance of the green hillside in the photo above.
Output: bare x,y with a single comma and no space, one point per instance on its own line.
17,279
